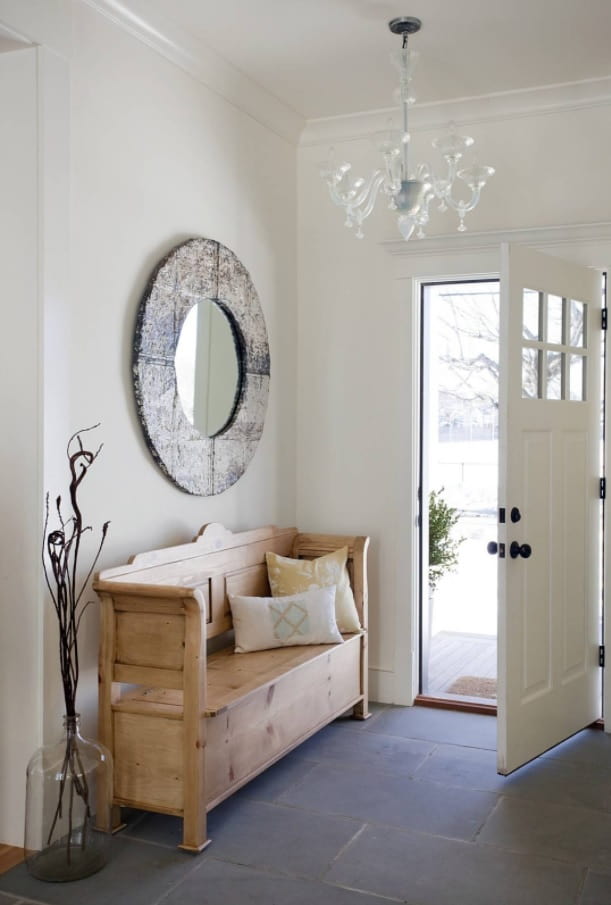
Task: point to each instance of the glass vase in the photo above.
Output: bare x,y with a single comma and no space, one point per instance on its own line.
68,799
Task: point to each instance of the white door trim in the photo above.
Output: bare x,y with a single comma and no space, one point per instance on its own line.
412,266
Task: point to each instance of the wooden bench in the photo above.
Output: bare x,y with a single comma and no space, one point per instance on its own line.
187,720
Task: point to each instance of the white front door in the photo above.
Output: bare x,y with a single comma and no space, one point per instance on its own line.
549,541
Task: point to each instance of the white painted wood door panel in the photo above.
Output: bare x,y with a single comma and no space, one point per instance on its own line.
549,469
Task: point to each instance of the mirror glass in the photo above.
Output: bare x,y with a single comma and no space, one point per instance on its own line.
207,367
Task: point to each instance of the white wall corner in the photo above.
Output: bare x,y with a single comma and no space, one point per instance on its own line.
204,64
45,22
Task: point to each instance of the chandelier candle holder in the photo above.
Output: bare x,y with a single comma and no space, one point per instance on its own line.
410,190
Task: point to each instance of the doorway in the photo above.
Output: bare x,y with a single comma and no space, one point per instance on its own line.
459,481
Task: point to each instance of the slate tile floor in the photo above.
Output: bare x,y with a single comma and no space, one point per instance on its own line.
406,807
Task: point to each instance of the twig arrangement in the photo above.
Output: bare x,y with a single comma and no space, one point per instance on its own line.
60,556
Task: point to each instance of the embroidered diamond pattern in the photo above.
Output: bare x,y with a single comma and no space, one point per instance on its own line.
290,620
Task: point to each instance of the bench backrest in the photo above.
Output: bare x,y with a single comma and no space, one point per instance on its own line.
217,563
159,609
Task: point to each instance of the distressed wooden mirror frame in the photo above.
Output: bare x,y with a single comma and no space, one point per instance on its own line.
195,270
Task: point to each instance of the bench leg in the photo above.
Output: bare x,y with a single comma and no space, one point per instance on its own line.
194,829
194,832
360,711
116,821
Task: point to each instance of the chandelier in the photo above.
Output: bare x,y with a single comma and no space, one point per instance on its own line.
410,189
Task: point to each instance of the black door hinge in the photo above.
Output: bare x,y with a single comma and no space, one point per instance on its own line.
601,655
602,488
604,318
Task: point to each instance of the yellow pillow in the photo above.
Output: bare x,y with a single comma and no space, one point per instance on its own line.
293,576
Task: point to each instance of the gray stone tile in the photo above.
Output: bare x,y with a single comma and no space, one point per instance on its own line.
341,744
465,768
138,874
219,883
590,746
262,835
435,725
428,870
160,829
277,779
597,889
562,782
279,838
574,834
396,801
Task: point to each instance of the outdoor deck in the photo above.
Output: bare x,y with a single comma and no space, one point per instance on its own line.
454,656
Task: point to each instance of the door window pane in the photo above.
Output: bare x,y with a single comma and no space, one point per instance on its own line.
531,314
553,375
531,374
554,319
577,323
577,377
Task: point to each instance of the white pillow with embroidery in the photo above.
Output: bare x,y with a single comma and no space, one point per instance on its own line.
262,623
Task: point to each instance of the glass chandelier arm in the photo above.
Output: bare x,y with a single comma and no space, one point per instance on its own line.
463,207
367,204
352,194
357,198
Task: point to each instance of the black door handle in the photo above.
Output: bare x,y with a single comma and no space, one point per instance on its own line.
516,549
493,548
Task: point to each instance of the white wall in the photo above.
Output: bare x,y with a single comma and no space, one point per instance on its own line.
20,466
154,157
355,436
157,158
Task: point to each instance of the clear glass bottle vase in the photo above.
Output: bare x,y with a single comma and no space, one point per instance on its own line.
68,799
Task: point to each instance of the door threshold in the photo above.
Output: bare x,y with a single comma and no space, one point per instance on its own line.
423,700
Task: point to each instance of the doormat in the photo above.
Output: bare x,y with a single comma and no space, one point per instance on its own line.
473,687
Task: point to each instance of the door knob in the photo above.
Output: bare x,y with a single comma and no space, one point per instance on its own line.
493,548
516,549
515,515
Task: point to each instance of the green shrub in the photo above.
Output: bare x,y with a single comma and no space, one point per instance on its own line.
443,548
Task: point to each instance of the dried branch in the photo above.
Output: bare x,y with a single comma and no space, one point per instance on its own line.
60,561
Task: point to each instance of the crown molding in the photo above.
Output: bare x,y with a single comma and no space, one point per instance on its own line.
204,64
37,22
536,237
12,40
464,111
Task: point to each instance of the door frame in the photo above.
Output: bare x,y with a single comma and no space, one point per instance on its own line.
424,423
475,256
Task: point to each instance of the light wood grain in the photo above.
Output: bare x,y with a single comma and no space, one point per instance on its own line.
257,729
148,761
153,640
194,738
197,726
10,856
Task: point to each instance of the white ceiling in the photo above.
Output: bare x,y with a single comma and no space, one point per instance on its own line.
326,58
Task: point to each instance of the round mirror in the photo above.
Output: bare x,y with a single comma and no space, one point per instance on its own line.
201,366
207,367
